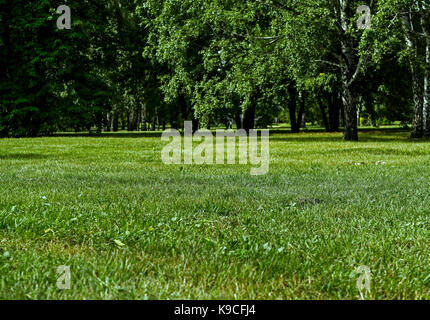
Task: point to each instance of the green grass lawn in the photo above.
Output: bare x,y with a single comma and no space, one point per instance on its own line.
131,227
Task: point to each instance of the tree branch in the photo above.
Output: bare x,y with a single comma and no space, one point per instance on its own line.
329,63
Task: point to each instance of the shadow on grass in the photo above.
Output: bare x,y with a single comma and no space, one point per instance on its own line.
376,152
281,135
304,138
23,156
109,135
368,135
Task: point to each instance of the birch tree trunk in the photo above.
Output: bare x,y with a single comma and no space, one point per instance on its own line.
425,24
350,111
350,67
426,100
417,84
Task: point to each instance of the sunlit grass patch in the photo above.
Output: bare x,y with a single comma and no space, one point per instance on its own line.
131,227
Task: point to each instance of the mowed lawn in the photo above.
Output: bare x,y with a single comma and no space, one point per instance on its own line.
131,227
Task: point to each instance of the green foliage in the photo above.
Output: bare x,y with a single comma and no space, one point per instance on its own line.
152,61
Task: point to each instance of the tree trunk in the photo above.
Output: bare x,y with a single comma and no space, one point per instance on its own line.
303,121
123,121
153,123
249,118
411,42
417,121
187,112
108,125
196,125
324,115
350,68
292,108
350,112
238,121
301,115
99,124
342,116
426,97
115,121
139,117
334,106
130,121
426,104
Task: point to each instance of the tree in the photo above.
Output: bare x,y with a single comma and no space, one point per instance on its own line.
404,26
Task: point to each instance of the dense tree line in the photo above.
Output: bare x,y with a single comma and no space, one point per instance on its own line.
148,64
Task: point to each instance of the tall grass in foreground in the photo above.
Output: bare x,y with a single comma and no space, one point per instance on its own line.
131,227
